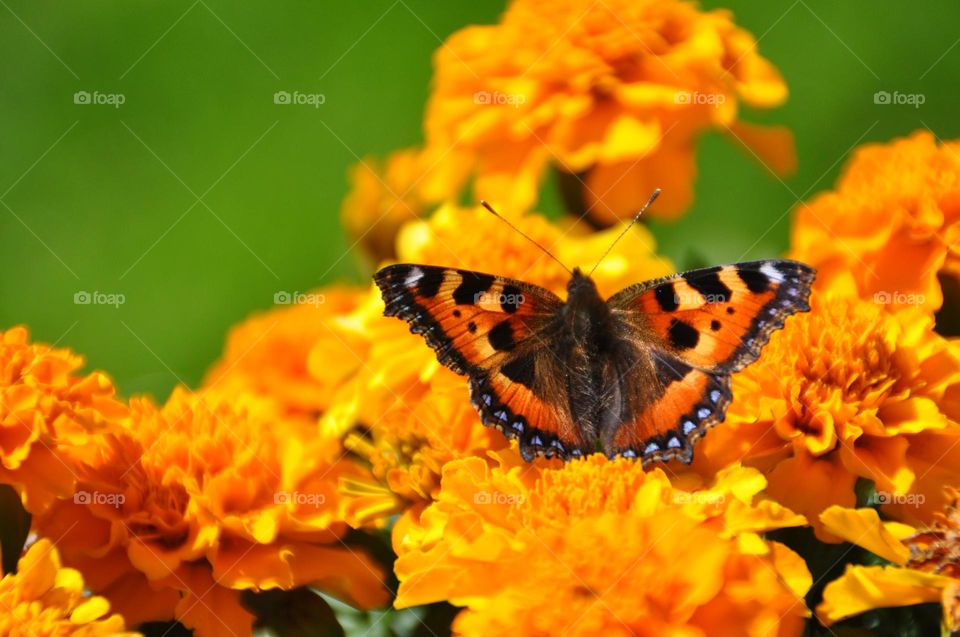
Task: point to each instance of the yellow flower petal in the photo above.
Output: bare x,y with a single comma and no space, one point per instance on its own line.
863,588
863,528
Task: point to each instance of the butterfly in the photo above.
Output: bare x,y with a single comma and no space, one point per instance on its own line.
643,374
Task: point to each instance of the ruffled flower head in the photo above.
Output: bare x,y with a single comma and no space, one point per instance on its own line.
844,392
50,416
614,94
892,223
204,498
601,547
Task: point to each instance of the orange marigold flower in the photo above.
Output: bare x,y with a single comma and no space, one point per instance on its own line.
43,598
406,413
601,547
847,391
204,498
383,196
49,416
269,355
891,224
615,91
926,564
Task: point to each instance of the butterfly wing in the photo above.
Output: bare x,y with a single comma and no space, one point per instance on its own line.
498,332
686,334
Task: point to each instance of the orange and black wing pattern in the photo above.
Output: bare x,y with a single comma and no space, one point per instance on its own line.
693,330
497,332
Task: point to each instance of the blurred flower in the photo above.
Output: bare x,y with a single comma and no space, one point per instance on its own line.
383,196
847,391
892,224
269,354
405,413
926,565
204,498
601,547
42,598
615,93
49,416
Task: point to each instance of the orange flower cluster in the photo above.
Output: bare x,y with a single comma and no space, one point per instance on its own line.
174,511
615,91
602,547
48,417
892,225
847,392
204,498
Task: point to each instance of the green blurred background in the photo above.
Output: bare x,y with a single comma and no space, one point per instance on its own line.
199,198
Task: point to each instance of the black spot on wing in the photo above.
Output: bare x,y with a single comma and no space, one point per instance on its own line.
707,282
666,297
471,287
755,280
715,325
429,284
501,337
472,327
683,335
510,298
520,370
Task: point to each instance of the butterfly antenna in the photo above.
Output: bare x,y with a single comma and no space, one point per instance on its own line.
636,218
523,234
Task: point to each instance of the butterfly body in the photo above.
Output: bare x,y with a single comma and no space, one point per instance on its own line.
643,374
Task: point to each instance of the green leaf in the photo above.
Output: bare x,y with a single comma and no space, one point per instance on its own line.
14,527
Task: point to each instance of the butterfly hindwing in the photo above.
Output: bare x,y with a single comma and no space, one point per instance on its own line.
495,331
666,411
695,329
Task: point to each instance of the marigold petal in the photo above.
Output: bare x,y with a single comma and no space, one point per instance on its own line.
863,588
89,611
864,528
792,569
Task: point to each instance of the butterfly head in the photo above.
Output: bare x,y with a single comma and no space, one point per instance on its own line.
583,297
